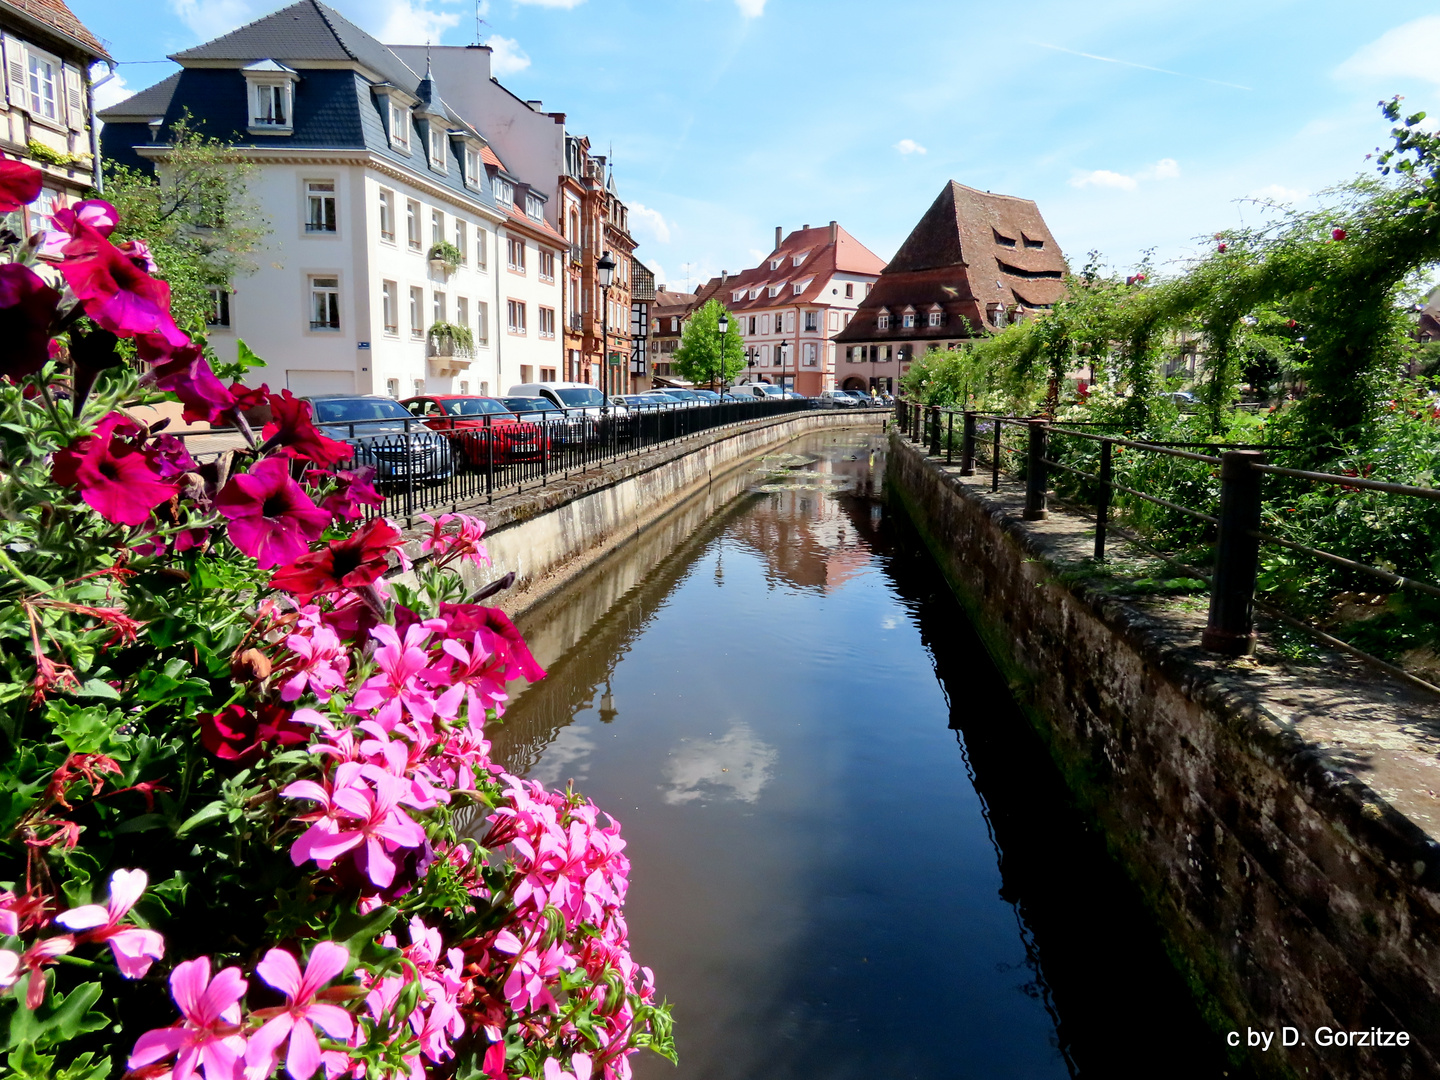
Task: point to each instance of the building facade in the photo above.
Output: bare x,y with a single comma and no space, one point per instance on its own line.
581,205
48,114
391,215
974,263
642,297
791,307
669,315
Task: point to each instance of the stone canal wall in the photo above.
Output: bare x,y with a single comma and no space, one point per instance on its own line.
549,534
1243,798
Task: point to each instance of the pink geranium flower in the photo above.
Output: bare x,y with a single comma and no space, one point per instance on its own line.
118,477
364,814
297,1019
271,517
134,949
208,1036
19,184
42,954
117,294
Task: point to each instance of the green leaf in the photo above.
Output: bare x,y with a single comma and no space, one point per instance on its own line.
205,814
58,1020
98,688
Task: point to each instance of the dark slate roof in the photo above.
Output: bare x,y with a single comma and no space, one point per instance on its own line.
147,103
308,30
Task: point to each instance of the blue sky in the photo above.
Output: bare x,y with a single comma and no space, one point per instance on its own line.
1134,125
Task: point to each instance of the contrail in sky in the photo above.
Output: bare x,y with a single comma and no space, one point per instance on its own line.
1142,67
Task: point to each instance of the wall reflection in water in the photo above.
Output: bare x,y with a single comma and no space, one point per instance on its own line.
851,856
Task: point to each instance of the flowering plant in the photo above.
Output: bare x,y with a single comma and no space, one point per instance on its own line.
251,826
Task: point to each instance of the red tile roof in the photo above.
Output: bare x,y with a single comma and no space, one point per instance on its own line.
821,261
490,158
541,228
56,15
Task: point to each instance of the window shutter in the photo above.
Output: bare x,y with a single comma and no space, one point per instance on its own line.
75,98
16,62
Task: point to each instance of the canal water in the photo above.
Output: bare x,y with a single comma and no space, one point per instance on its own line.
851,857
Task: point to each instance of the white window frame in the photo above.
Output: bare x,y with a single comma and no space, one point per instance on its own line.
387,215
218,316
547,322
400,127
473,167
437,225
883,321
35,86
515,254
438,139
439,306
325,304
547,259
412,224
935,318
317,194
482,248
417,312
515,326
390,307
482,323
907,320
504,191
462,239
462,310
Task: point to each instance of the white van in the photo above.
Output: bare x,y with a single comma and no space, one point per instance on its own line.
766,391
577,398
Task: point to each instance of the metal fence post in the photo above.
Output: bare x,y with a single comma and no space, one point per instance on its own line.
1035,471
949,437
967,445
1102,499
995,457
935,430
1231,627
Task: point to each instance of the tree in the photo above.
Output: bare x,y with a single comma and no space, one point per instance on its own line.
698,356
197,219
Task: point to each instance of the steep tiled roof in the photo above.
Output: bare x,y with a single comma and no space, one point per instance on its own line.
820,260
970,251
56,15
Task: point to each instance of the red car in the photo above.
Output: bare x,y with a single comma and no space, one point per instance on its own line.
476,424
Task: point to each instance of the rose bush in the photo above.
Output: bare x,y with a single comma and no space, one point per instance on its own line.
251,825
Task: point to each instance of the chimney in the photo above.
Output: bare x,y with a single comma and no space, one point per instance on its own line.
536,105
805,227
778,231
660,287
724,276
834,232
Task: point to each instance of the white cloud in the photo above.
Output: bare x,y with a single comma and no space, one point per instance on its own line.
408,23
751,9
1406,52
756,254
210,18
508,57
651,221
735,766
910,146
1164,169
1279,193
565,758
114,91
566,4
661,277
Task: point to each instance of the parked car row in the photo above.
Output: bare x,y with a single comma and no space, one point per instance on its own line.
524,426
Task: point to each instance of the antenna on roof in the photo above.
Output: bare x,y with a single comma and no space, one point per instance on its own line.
427,59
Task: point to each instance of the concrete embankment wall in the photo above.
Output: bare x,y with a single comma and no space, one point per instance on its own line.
1288,891
548,535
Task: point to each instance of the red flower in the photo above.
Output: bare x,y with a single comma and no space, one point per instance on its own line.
1338,234
354,489
116,293
342,564
232,734
1221,249
185,373
28,309
119,478
246,398
291,429
271,518
19,184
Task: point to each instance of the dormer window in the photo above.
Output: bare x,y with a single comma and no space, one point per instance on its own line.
504,192
754,294
1033,244
737,296
1003,240
271,88
936,317
775,263
472,167
775,289
437,147
797,259
399,127
534,206
883,322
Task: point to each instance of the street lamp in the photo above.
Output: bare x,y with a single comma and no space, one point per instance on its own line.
605,268
724,325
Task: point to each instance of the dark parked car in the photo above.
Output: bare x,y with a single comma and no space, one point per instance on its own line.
384,436
481,429
562,429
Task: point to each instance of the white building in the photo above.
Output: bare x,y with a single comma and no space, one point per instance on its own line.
394,224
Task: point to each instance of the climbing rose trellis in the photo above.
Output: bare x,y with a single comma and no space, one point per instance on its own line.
251,823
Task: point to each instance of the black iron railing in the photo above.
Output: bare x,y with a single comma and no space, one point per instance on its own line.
1233,530
421,468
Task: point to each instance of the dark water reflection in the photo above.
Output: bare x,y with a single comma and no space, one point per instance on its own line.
851,856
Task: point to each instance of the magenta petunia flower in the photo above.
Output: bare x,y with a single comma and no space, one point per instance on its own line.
19,184
297,1019
208,1036
271,517
115,292
118,477
28,309
134,948
184,372
292,430
97,213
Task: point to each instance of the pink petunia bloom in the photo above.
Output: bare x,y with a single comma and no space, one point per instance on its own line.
117,294
271,517
208,1038
134,948
118,477
28,309
96,213
19,184
297,1019
184,372
354,489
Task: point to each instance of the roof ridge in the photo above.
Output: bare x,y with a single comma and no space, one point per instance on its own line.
325,18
